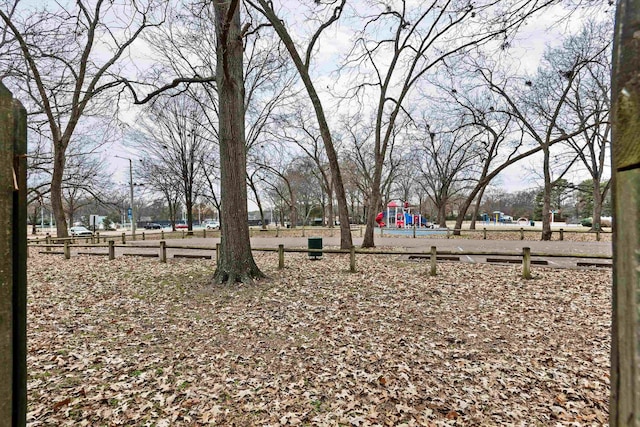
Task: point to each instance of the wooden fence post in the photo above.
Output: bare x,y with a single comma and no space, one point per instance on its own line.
48,242
183,234
112,250
521,233
448,233
144,237
277,231
204,233
597,235
124,238
163,251
434,261
526,263
161,234
67,250
13,260
352,259
484,233
98,236
624,407
280,257
414,231
561,234
303,231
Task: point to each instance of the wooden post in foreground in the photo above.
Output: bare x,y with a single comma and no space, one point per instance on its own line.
67,250
13,260
112,250
163,251
526,263
624,406
280,257
434,261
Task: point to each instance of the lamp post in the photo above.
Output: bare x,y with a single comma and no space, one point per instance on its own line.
133,212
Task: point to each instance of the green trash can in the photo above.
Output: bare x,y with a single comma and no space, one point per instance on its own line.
315,243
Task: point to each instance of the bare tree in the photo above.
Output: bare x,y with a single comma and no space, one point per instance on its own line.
85,182
296,129
447,162
303,66
174,134
236,262
589,102
399,46
538,104
160,177
65,73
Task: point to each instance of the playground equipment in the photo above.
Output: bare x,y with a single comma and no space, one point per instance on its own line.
399,216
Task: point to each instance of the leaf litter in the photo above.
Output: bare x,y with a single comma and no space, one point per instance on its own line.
136,342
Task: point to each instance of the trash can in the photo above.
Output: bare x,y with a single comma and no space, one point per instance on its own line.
315,243
532,223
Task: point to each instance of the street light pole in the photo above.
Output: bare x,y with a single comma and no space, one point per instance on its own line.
133,211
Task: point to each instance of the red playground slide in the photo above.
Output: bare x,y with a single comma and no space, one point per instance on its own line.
379,220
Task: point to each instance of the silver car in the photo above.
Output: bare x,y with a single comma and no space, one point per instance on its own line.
80,232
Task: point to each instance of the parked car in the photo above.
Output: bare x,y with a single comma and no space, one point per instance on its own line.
212,225
182,226
153,226
80,232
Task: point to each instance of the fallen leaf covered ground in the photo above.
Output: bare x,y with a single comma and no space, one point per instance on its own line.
136,342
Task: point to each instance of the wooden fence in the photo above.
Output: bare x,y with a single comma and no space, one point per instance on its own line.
433,255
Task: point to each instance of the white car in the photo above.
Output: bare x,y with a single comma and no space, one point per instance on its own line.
80,232
212,225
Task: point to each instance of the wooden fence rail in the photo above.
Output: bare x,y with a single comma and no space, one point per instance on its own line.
523,257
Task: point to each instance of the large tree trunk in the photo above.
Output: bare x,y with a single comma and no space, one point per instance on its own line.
476,209
330,210
56,191
597,206
442,213
546,198
189,206
463,211
372,210
236,263
293,213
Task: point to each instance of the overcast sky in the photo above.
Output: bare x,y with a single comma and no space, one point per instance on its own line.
526,50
